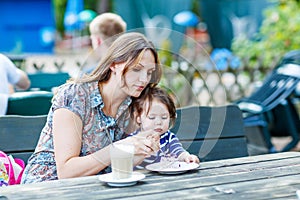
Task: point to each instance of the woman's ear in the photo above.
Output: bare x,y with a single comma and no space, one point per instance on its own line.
113,67
138,120
99,41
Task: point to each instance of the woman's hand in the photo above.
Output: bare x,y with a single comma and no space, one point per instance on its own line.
145,143
149,142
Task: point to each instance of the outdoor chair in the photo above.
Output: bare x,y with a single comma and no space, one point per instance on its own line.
293,57
47,81
260,107
19,134
29,103
211,133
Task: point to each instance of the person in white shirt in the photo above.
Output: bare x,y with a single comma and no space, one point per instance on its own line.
10,75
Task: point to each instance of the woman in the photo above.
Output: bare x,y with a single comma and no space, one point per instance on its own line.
87,113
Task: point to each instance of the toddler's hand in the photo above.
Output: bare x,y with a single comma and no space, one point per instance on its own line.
191,158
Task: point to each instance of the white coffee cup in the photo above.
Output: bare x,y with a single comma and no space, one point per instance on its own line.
121,156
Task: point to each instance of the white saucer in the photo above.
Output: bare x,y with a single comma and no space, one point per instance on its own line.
184,167
108,178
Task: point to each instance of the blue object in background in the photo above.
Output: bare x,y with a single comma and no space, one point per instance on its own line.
85,17
186,18
223,58
21,25
47,36
71,19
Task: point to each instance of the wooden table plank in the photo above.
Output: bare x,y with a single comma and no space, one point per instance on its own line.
257,177
257,189
249,159
148,188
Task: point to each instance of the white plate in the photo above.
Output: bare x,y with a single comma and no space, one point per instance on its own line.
184,167
108,178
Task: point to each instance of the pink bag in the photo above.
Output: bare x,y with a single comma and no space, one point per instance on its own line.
14,168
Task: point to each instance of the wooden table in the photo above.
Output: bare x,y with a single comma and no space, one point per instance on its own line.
271,176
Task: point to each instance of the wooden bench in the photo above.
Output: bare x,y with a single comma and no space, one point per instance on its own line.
212,133
19,134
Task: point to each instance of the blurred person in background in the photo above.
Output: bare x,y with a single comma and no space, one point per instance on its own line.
104,30
10,77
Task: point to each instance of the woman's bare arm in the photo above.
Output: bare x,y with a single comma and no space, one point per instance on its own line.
67,133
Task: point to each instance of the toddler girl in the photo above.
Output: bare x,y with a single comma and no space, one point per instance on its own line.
155,110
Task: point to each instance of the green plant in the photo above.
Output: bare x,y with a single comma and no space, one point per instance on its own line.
59,12
279,33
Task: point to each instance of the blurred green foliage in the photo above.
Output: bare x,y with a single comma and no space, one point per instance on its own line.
279,33
59,12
